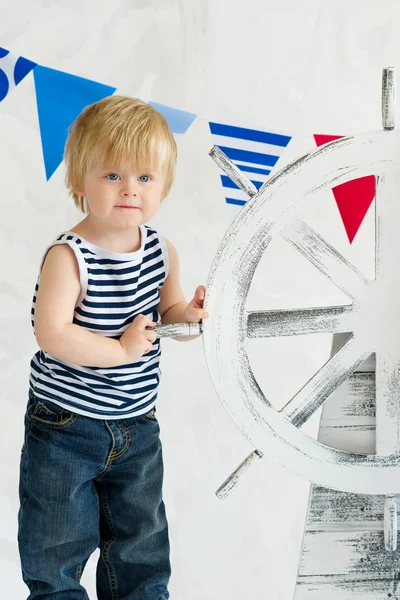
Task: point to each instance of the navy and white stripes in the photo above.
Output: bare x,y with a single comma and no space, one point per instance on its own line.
116,287
255,152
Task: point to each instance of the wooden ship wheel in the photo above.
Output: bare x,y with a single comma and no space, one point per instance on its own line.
352,515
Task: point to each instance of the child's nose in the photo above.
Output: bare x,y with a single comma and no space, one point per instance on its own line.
129,188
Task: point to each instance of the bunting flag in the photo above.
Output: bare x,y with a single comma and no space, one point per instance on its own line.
179,121
60,98
255,152
13,69
353,198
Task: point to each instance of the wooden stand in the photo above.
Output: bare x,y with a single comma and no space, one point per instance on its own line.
343,555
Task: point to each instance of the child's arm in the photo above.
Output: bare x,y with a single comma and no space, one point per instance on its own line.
56,333
173,307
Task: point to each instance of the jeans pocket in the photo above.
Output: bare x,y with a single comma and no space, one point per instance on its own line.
48,414
150,416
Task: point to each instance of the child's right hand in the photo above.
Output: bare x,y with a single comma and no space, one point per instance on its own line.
137,340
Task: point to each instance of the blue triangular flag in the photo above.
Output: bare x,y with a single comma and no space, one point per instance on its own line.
23,66
179,121
60,98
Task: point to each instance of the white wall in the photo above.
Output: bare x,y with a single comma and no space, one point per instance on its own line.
300,66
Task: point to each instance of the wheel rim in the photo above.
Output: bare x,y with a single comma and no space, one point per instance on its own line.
264,216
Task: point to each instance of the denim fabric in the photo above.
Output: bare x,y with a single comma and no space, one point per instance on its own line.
87,483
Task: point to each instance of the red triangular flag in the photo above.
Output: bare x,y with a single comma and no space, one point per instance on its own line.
352,198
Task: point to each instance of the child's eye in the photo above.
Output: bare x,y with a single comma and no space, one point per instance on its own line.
144,178
112,176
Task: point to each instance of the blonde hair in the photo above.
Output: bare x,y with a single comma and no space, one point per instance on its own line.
115,130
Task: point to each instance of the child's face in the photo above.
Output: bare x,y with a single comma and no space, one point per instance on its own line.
122,197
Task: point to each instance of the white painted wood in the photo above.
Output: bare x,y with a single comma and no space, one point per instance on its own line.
390,523
326,258
333,373
270,212
302,321
359,438
346,565
362,528
276,323
343,553
387,335
232,481
387,403
355,400
388,98
341,589
346,555
331,510
368,366
232,171
177,329
344,590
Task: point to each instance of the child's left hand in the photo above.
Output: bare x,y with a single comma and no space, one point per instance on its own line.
194,312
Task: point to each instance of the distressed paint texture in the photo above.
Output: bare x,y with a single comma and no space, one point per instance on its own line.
274,210
343,554
350,540
388,98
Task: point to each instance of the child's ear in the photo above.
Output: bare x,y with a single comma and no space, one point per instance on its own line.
77,189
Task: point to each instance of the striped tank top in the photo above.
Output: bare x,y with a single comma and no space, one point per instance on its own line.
116,287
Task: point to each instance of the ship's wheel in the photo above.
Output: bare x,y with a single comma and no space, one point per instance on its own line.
372,315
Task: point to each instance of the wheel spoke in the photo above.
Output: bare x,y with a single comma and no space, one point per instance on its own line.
232,171
302,321
387,229
387,402
324,256
314,393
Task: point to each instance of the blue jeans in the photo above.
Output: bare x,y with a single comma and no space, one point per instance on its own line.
85,484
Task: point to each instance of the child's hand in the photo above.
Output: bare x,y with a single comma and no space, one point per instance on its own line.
194,312
137,340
